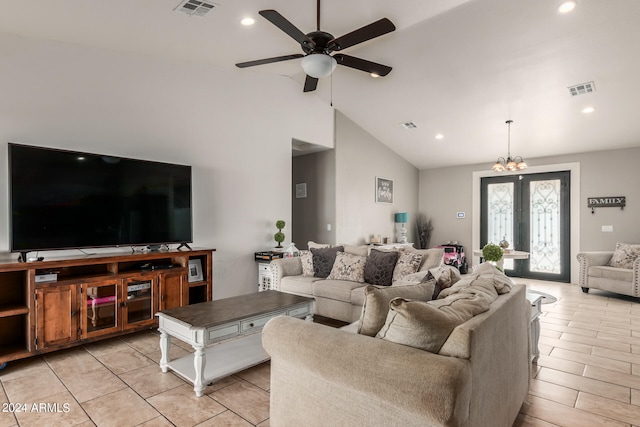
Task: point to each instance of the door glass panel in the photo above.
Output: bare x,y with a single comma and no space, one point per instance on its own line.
139,306
500,198
544,227
101,307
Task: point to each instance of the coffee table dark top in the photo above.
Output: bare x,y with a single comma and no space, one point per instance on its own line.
212,313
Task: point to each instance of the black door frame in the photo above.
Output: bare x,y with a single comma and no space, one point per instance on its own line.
522,215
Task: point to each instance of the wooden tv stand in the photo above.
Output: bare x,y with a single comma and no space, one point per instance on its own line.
62,302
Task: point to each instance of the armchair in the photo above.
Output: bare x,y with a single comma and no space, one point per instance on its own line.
596,273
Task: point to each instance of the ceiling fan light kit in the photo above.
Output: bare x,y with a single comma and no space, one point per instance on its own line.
318,46
510,164
318,65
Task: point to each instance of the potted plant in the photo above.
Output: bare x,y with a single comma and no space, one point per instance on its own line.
492,253
279,236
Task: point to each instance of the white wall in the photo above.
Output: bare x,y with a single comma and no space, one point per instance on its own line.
359,159
233,126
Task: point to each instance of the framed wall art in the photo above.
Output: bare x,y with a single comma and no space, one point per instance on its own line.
384,190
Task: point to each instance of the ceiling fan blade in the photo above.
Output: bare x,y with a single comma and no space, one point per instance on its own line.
362,64
268,60
281,22
310,84
368,32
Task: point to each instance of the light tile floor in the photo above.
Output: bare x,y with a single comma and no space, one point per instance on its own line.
588,375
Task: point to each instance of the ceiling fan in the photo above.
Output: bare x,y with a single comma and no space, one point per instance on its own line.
318,46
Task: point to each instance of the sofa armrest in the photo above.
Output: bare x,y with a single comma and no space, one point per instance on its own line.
323,376
284,267
590,259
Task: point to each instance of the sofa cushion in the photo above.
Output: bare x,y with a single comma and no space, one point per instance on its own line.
624,255
362,250
430,257
485,280
380,266
408,263
445,277
427,325
611,273
311,244
348,267
323,259
335,289
376,303
300,285
306,259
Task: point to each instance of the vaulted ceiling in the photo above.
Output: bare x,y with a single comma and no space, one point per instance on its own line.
461,68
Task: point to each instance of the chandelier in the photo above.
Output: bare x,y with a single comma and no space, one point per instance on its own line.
510,164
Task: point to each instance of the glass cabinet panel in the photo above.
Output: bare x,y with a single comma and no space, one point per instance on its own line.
139,301
100,307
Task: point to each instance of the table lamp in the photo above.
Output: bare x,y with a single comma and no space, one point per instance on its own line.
402,218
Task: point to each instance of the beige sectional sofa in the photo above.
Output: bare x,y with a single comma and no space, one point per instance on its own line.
479,377
341,299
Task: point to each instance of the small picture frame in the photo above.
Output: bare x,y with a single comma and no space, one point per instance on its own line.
384,190
195,270
301,190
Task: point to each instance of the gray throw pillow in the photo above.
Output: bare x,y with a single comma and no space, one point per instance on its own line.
323,259
379,268
427,325
376,303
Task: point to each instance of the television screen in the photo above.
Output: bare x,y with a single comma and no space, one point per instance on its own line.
65,199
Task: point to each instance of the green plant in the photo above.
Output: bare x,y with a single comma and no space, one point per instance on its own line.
279,236
492,252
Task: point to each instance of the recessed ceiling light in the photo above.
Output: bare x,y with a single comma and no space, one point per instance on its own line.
375,75
588,110
248,21
439,136
567,6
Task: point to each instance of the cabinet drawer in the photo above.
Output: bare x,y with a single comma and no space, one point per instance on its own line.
259,322
264,268
300,311
224,331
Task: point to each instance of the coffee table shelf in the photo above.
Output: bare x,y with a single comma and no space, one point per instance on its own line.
223,359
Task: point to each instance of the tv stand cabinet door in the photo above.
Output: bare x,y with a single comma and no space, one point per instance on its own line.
56,315
174,290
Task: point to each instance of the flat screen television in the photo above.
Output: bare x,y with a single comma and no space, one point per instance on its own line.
62,199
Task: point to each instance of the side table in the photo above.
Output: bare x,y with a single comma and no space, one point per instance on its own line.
536,309
265,275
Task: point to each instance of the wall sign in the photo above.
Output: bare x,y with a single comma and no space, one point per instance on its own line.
606,202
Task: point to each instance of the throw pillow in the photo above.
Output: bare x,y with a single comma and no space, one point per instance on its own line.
323,259
376,303
307,263
624,255
408,263
427,325
379,268
348,267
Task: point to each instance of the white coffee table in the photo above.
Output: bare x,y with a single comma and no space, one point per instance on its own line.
225,334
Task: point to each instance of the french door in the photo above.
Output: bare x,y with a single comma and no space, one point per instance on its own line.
532,213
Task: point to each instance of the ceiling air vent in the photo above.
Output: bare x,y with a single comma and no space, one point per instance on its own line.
195,7
408,125
582,88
